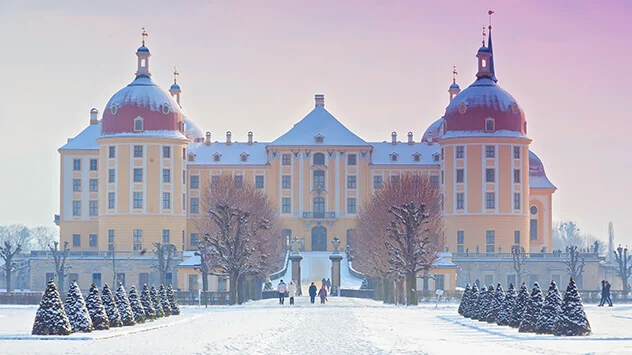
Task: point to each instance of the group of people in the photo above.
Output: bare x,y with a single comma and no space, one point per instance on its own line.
605,294
290,291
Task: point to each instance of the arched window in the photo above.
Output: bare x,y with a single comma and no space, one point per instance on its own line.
319,159
319,178
489,125
393,156
319,207
138,124
216,156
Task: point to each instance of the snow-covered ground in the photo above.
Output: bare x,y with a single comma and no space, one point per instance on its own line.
343,326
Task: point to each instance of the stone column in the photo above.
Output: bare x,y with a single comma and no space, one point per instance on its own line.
296,258
335,258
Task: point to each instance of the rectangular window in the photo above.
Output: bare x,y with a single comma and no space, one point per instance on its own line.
239,180
184,201
460,151
138,151
112,153
516,200
76,240
259,181
76,164
460,237
517,176
351,159
439,282
286,181
533,229
111,200
93,164
460,200
442,153
490,151
165,236
110,236
195,181
76,185
516,152
434,180
111,175
214,180
351,205
194,239
96,279
286,205
557,278
93,208
184,177
166,200
490,237
138,175
137,235
460,249
287,159
93,240
490,175
351,182
195,205
143,278
490,200
460,175
138,200
166,175
516,237
442,177
76,208
511,279
533,279
377,181
166,152
94,185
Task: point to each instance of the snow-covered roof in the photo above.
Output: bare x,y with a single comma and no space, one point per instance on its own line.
498,133
229,154
86,140
166,133
444,260
192,130
382,152
191,261
483,92
537,175
143,92
319,122
436,129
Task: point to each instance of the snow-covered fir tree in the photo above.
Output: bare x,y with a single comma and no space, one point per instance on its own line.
472,302
51,318
496,306
77,311
532,310
125,309
572,320
110,307
489,304
466,294
164,301
481,304
550,311
507,306
173,301
518,310
148,305
96,310
155,301
137,306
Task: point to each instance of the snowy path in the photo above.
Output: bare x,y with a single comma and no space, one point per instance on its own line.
343,326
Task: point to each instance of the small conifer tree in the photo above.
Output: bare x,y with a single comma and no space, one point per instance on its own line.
125,309
137,306
173,301
487,304
148,305
507,306
521,304
481,304
97,312
498,298
472,302
110,307
532,311
463,303
572,320
164,301
155,301
550,311
77,311
51,318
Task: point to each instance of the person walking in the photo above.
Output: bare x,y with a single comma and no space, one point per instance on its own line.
605,294
328,284
291,291
282,289
322,294
608,297
312,293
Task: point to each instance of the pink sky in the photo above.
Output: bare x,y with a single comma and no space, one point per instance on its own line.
383,66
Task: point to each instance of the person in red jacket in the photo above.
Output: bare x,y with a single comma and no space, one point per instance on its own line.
322,293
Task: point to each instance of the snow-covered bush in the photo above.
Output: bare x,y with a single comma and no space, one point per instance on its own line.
496,305
521,304
504,316
164,301
155,301
125,310
148,305
572,320
137,307
481,304
532,310
550,311
96,310
173,301
51,318
110,307
466,294
77,311
472,302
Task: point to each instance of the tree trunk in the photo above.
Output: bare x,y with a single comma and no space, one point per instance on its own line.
241,289
205,289
389,291
411,289
163,277
8,272
378,290
232,284
625,286
60,282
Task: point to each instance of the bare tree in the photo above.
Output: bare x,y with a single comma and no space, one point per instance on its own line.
16,234
203,268
61,269
7,252
165,254
41,237
575,264
624,266
519,258
113,266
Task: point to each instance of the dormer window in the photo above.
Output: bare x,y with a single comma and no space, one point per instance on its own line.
113,109
165,108
243,157
490,125
216,157
319,139
394,156
435,157
417,157
462,108
191,157
138,124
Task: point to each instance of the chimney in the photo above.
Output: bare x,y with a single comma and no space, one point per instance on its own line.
410,138
250,138
94,116
228,134
394,138
208,138
320,100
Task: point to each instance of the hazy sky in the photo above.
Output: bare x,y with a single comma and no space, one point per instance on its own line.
383,66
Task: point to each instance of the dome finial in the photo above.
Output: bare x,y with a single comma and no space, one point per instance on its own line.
175,74
489,45
454,74
484,35
144,34
454,88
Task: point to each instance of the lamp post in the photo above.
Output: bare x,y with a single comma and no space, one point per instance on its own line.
625,266
335,258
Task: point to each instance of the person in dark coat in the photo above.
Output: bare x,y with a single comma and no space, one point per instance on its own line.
608,298
605,293
328,284
312,293
322,293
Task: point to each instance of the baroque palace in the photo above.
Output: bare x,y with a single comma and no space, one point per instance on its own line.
136,175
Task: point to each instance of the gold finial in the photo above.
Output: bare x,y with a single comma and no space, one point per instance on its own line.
454,74
490,13
484,34
175,74
144,34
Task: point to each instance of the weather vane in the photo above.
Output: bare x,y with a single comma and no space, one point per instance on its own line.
144,34
490,13
175,74
454,74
